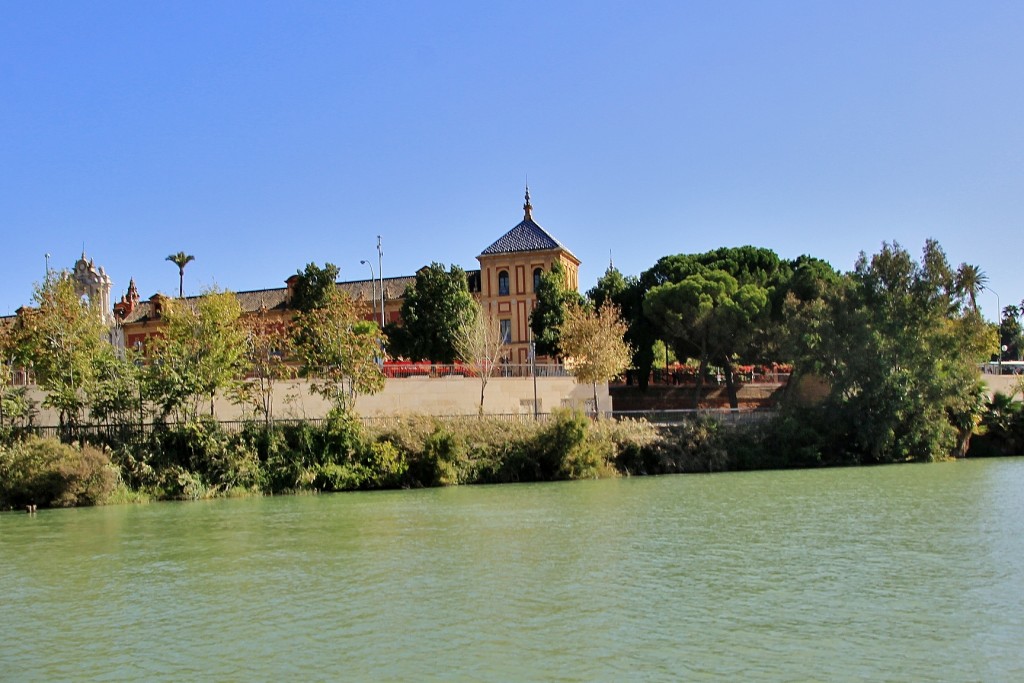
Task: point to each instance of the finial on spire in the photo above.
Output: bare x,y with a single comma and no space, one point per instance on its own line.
528,207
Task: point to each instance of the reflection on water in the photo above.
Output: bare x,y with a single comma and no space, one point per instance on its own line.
890,573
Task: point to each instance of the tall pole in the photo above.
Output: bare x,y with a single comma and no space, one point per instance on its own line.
373,286
999,325
380,274
533,371
47,257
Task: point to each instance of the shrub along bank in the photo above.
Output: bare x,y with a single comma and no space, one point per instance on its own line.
202,459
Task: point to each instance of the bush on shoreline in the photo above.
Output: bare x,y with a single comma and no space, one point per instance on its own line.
203,460
47,473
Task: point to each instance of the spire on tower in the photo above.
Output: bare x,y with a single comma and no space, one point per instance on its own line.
528,207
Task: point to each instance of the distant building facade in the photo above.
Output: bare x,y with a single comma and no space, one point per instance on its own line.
505,285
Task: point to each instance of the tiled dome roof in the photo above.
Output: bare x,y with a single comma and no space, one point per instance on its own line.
526,236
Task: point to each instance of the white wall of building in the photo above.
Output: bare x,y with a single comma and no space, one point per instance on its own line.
414,396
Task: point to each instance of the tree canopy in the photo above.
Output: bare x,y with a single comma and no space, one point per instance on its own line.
314,286
723,314
548,315
60,339
594,343
435,308
200,352
338,351
708,316
897,343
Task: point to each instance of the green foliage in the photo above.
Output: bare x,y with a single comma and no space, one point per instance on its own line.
314,287
115,398
565,451
338,351
548,315
60,339
898,344
610,287
1011,335
435,308
663,355
47,473
200,353
970,280
14,403
712,318
594,342
693,446
267,349
442,453
708,316
1002,428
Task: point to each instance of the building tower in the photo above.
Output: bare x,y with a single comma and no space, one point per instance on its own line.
510,270
94,284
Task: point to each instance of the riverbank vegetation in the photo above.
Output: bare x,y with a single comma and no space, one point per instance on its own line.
885,369
201,459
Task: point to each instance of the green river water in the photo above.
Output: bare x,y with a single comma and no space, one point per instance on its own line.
903,573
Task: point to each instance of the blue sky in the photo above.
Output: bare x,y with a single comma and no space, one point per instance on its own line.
260,136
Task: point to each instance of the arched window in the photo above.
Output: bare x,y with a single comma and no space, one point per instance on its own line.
536,278
503,283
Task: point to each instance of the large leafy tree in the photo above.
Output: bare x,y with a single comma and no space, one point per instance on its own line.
549,314
435,308
897,343
116,397
338,351
708,316
314,286
200,352
60,339
753,266
594,342
610,287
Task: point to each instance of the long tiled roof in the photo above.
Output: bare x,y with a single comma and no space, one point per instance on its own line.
276,299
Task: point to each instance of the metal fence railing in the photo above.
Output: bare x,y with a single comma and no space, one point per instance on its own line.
113,433
727,416
660,377
400,370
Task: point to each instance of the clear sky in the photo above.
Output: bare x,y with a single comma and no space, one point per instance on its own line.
260,136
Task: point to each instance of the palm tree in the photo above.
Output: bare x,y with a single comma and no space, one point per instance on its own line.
181,259
970,281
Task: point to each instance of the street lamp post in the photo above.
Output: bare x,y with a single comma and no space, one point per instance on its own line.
533,371
999,323
380,274
373,286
